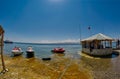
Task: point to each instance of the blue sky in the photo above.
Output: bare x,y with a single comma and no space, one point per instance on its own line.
58,20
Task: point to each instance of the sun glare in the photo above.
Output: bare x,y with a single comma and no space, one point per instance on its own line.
56,0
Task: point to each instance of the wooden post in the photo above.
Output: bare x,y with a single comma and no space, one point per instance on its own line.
96,44
2,44
3,64
111,44
105,43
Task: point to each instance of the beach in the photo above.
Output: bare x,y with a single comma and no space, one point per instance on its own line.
61,67
33,68
103,68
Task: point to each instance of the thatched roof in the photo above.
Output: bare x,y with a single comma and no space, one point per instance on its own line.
98,36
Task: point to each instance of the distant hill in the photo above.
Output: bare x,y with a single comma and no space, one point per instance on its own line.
65,43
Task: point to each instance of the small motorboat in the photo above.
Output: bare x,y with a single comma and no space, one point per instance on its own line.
45,59
30,52
16,51
58,50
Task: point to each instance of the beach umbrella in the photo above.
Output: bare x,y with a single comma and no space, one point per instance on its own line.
1,49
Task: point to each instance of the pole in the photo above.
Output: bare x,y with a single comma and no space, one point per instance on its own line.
80,32
3,64
2,58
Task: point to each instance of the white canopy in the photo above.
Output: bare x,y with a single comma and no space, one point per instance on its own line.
98,36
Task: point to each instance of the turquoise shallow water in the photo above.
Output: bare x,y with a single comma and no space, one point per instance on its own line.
43,50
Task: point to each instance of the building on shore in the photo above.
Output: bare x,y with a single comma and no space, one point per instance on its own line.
97,45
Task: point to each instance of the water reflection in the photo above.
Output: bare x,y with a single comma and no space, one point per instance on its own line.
59,54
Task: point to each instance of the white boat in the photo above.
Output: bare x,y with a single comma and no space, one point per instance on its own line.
30,52
17,51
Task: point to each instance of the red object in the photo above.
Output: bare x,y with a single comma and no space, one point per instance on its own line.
16,48
58,50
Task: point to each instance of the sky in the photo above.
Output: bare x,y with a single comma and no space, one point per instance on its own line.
40,21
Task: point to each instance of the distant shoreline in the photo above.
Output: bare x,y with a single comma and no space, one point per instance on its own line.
48,43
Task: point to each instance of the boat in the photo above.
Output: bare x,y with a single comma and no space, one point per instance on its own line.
30,52
8,41
16,51
45,59
58,50
97,45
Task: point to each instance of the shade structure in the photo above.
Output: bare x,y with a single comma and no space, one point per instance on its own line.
98,36
97,45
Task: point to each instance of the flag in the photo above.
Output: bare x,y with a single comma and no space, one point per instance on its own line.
89,28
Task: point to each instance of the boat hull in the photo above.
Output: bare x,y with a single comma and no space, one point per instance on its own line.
17,53
29,54
58,51
45,59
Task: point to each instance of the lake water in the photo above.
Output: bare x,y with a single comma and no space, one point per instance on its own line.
43,50
101,68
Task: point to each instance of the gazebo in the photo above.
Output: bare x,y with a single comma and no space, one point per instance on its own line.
97,45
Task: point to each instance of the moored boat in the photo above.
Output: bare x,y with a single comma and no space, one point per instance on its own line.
30,52
58,50
16,51
8,41
45,59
